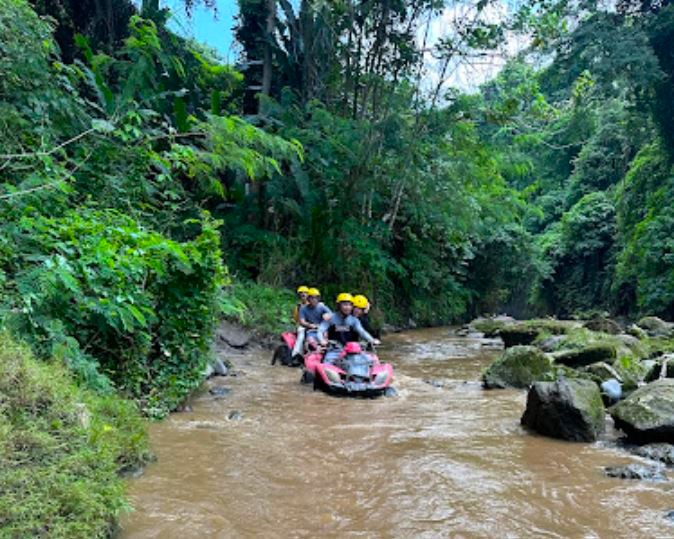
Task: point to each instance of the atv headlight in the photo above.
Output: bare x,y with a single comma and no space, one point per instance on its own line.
380,378
333,376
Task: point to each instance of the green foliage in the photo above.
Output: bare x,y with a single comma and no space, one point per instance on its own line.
100,290
264,309
61,449
631,370
579,256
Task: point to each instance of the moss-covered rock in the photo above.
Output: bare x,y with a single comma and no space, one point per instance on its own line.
660,367
518,335
602,371
655,327
647,415
518,367
592,353
489,326
636,332
603,325
631,370
567,409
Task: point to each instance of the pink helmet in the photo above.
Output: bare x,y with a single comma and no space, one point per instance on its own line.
352,348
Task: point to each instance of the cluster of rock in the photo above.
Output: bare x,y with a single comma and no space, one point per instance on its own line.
574,370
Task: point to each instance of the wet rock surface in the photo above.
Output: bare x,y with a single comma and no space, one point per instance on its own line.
219,392
567,409
663,453
643,472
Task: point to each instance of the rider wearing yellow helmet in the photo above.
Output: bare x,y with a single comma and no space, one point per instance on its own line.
343,325
310,317
361,308
302,293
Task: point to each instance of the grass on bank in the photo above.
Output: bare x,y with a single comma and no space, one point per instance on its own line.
261,308
62,449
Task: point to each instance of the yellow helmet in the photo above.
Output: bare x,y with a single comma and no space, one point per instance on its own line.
360,301
303,290
314,292
344,296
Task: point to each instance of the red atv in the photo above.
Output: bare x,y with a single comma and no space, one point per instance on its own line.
348,371
284,352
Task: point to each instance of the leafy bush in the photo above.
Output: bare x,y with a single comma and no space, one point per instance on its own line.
61,451
117,301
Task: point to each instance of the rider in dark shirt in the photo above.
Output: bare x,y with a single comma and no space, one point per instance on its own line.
361,309
340,327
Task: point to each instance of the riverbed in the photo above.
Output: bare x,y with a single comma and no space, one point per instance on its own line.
443,459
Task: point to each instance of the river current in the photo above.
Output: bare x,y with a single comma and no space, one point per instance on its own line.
443,459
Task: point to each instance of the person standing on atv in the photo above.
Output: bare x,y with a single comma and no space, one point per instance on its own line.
302,300
361,309
340,327
310,317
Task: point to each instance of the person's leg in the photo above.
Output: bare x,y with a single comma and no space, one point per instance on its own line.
299,343
312,339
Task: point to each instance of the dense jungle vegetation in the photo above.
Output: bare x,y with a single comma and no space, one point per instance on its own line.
148,189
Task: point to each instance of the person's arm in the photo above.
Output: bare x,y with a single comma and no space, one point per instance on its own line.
327,313
325,326
363,334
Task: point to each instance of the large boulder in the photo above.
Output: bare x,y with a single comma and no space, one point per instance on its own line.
583,357
233,335
647,415
655,327
603,325
567,409
517,367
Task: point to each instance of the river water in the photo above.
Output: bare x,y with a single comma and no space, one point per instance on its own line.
448,461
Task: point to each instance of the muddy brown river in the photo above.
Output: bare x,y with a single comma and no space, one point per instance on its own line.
447,461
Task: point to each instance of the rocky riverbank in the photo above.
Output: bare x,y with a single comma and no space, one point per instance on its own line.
581,375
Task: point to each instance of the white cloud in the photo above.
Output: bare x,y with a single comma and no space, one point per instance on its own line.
466,71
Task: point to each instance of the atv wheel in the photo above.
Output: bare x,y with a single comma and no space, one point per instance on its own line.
281,354
307,378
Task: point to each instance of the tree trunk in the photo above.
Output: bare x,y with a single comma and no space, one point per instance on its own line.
267,66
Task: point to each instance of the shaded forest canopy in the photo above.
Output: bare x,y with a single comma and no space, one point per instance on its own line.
141,177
